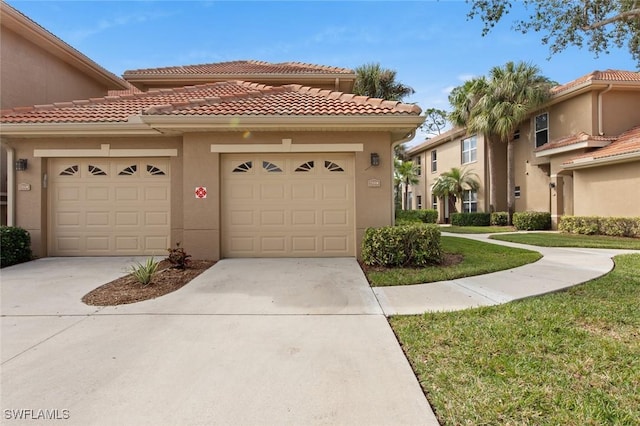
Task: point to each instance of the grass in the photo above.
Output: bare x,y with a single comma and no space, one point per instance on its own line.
477,258
551,239
570,358
477,229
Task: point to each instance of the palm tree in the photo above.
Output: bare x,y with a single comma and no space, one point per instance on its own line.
453,184
497,108
376,82
405,174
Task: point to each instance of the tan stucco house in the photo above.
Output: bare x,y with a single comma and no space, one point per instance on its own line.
578,155
237,159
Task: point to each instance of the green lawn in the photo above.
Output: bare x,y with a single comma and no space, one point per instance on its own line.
551,239
478,258
477,229
568,358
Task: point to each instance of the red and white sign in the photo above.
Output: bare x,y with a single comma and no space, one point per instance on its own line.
201,192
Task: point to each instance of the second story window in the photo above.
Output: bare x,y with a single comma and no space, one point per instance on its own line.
542,129
434,161
418,164
469,150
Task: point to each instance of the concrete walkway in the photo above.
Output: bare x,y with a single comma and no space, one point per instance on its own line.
558,269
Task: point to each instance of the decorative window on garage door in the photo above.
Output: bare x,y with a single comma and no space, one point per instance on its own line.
333,167
305,167
129,171
270,167
155,171
244,167
70,171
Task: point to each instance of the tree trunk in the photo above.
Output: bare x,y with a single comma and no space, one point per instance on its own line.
406,196
511,181
491,183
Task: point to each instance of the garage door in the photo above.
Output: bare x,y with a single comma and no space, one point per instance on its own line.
109,207
288,205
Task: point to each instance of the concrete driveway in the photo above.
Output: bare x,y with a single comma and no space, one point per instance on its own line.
249,342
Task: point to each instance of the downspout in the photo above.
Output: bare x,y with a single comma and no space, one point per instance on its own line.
600,131
407,138
11,191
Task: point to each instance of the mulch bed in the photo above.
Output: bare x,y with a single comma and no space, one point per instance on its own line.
127,289
448,259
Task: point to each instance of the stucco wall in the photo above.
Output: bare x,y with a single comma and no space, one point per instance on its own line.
607,191
29,75
620,111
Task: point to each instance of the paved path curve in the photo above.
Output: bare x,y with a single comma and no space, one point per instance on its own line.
558,269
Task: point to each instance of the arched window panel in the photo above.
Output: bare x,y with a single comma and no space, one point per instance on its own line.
96,171
154,171
128,171
305,167
270,167
70,171
333,167
244,167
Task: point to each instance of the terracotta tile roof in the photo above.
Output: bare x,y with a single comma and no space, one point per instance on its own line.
626,143
603,76
223,98
572,140
130,91
240,68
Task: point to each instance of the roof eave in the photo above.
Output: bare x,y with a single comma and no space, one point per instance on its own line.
438,140
16,22
572,147
595,162
76,129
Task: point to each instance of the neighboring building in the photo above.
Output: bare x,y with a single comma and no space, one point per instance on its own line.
574,156
36,67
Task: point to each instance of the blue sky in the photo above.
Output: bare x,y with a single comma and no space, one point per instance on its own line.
431,44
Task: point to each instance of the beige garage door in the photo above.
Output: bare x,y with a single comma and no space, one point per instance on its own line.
109,207
288,205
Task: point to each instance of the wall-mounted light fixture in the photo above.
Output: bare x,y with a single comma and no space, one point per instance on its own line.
375,159
552,185
21,165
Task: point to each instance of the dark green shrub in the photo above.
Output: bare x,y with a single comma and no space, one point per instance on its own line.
407,245
532,221
178,257
595,225
500,218
15,246
471,219
416,216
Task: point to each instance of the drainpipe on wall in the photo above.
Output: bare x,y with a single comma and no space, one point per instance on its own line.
11,191
407,138
600,131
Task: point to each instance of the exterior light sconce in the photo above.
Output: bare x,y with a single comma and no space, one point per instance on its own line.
375,159
21,165
552,185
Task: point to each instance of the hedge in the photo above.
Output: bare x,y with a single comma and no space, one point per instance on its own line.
424,216
471,219
597,225
500,218
15,246
397,246
532,221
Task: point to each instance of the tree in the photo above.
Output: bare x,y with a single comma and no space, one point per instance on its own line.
599,24
435,122
453,184
405,174
376,82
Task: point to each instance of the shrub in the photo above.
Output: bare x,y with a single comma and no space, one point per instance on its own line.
15,246
532,221
500,218
470,219
144,272
594,225
416,216
407,245
178,257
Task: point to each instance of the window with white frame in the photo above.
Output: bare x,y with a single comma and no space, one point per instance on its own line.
419,202
434,161
516,192
418,164
469,201
434,202
542,129
469,150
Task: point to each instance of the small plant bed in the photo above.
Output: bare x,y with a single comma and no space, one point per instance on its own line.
128,289
477,229
462,258
568,358
553,239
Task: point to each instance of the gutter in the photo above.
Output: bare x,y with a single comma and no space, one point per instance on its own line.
600,131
